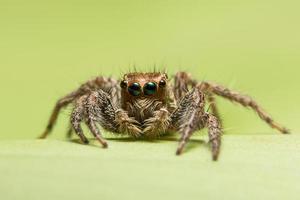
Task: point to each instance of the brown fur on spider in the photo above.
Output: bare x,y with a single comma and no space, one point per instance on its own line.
148,105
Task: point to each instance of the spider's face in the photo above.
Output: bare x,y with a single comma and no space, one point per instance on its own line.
144,85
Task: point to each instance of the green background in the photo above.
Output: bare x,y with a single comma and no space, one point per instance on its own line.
48,48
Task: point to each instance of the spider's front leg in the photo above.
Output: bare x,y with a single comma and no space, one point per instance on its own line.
77,116
190,117
183,82
87,108
98,108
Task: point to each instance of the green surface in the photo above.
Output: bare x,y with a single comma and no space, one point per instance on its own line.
251,167
47,48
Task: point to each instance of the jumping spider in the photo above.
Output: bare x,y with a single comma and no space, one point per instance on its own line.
148,105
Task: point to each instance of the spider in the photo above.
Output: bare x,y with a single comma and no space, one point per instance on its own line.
148,105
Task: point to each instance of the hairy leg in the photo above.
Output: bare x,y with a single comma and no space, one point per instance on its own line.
96,132
96,102
77,116
182,82
158,124
213,107
63,102
214,134
189,116
106,84
243,100
100,109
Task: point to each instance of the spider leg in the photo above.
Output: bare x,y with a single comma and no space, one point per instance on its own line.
96,132
107,84
93,108
100,109
61,103
214,134
182,81
188,117
243,100
76,118
213,107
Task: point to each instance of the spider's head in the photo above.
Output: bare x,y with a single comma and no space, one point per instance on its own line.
144,85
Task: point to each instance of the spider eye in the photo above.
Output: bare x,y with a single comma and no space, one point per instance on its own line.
150,88
134,89
162,83
123,84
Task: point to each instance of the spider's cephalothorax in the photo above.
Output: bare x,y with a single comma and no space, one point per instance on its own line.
143,93
148,105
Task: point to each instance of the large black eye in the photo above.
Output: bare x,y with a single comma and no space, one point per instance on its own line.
134,89
162,83
123,84
149,88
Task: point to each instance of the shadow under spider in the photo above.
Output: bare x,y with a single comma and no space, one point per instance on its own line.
193,143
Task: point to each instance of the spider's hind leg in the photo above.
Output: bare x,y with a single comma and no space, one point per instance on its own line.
244,100
61,103
107,84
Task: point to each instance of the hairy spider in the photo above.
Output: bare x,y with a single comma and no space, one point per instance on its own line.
148,105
